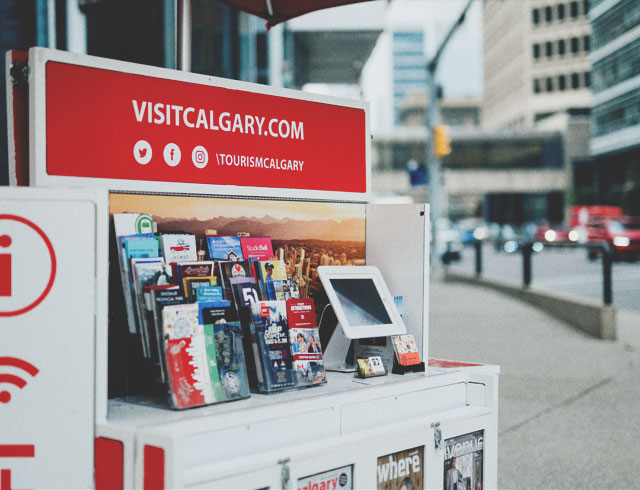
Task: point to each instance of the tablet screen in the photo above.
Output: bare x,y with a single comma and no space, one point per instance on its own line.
361,302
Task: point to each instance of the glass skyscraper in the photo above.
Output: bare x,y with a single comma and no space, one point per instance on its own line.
616,110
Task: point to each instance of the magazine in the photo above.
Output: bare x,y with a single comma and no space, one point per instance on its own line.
259,248
229,270
225,248
133,246
304,337
191,285
179,248
271,349
193,269
401,470
335,479
405,349
224,344
147,272
463,461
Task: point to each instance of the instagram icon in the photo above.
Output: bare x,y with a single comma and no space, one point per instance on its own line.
200,157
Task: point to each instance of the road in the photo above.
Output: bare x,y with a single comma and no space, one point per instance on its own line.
562,270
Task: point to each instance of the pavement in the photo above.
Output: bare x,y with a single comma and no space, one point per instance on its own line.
569,410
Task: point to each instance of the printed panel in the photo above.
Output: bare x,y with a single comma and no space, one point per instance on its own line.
106,124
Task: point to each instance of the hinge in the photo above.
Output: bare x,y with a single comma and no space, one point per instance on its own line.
285,474
19,73
437,435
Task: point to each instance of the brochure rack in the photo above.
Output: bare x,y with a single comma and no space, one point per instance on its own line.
349,432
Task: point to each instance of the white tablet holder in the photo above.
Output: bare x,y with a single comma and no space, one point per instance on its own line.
365,312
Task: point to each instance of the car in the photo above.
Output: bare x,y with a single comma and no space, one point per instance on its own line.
622,233
546,233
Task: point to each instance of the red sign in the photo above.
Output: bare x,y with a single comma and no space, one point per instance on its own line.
113,125
7,276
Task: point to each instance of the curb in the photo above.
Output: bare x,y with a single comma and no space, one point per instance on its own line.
591,317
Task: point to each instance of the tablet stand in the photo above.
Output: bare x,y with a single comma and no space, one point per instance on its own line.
338,354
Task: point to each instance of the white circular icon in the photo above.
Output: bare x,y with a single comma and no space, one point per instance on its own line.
172,154
200,157
142,152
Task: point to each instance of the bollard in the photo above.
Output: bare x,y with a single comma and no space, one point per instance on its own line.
478,246
607,261
527,251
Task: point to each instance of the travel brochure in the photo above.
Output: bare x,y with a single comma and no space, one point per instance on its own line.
220,327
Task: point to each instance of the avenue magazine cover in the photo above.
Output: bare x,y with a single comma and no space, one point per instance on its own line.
463,457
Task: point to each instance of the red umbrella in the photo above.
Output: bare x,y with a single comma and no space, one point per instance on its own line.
276,11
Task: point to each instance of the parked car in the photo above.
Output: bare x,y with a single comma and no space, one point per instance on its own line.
622,233
546,233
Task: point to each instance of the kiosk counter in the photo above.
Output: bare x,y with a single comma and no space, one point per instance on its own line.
199,156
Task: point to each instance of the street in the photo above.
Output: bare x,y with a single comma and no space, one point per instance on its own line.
565,271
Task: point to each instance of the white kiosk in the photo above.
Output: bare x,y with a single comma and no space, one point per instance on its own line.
146,134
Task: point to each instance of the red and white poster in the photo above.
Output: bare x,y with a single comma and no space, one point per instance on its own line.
107,124
49,323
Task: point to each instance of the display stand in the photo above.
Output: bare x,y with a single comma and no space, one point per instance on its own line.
414,368
362,433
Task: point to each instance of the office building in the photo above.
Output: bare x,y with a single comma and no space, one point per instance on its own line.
536,60
614,175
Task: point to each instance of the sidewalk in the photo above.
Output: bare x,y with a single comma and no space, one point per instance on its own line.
569,413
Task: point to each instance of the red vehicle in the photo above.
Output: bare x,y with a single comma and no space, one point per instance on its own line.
622,233
581,215
555,234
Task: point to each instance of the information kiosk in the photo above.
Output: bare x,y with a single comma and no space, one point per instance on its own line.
198,151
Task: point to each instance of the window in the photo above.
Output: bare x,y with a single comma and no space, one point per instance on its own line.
586,43
548,14
536,86
585,7
573,9
587,79
575,81
561,47
536,51
574,45
562,83
549,84
548,48
561,11
535,13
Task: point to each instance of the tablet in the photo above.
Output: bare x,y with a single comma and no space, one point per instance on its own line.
361,301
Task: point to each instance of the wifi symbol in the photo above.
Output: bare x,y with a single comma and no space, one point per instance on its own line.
5,396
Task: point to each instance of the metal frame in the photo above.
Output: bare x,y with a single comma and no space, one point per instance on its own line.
38,57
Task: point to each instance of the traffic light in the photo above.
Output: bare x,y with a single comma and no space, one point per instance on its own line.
441,141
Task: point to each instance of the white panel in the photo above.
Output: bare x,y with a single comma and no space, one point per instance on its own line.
397,241
53,241
256,437
382,411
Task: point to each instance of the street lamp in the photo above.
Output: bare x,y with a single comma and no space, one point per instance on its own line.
435,152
